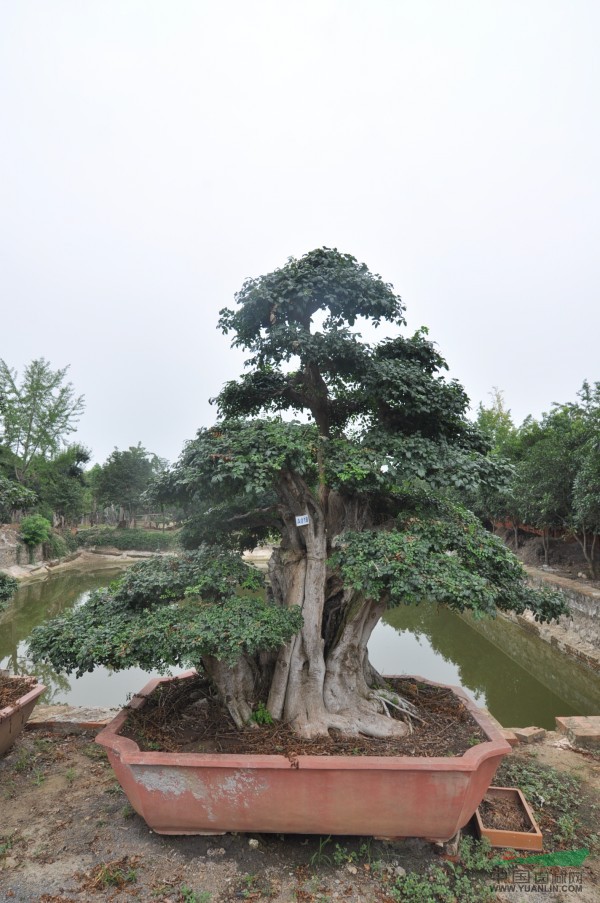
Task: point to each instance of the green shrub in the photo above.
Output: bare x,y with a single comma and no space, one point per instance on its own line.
55,546
8,586
70,541
35,530
133,538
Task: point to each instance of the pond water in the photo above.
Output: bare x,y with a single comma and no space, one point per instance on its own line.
519,678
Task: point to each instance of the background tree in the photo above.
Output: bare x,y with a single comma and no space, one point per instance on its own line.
553,478
125,477
586,504
584,521
357,492
14,497
496,424
545,474
60,484
37,413
498,501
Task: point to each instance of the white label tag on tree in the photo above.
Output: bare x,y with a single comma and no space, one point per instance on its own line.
303,520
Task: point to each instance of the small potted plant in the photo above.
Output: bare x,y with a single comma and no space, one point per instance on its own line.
18,696
505,819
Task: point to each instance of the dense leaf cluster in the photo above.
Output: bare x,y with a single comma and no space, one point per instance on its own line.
35,529
154,617
12,496
440,554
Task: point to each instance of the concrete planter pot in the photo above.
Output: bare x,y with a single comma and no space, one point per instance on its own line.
515,840
14,717
197,793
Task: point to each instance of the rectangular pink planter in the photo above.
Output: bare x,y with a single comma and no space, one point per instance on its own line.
403,796
514,840
14,717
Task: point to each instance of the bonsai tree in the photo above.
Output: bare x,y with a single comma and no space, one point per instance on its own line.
355,496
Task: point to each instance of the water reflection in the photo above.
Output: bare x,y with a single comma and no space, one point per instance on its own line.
518,677
38,602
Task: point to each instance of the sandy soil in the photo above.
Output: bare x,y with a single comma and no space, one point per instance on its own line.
68,834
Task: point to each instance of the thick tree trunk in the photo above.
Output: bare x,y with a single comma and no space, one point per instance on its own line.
314,690
322,678
297,689
236,686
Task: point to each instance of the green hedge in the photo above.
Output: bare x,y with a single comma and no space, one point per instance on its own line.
127,540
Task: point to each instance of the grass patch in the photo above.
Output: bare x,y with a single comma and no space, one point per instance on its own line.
567,819
94,752
118,874
468,881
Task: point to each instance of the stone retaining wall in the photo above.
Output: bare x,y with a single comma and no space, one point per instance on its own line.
12,550
577,634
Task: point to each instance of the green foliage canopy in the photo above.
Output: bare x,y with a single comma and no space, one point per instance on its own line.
161,614
125,476
553,469
440,554
14,496
37,413
60,482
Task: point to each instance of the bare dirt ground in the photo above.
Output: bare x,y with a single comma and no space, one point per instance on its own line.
565,558
67,833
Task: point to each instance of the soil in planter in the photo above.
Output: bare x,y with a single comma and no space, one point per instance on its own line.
186,717
12,688
504,813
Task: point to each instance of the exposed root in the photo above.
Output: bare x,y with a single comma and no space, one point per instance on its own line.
372,724
313,728
360,720
235,687
384,699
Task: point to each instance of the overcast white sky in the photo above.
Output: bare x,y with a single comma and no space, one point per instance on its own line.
155,154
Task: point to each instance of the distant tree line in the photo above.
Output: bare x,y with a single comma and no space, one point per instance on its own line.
551,466
43,476
552,471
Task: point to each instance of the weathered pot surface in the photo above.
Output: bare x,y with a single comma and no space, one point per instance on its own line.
14,717
207,793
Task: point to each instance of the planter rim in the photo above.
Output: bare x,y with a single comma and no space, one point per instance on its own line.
130,753
32,694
